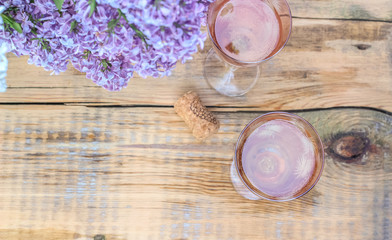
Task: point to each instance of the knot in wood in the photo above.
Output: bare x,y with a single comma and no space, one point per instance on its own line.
201,111
349,146
99,237
362,46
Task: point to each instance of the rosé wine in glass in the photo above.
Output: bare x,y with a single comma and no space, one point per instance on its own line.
247,30
279,157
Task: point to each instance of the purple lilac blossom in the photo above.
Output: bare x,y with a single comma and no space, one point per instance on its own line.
119,38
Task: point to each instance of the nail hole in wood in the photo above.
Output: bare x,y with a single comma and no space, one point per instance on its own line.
348,147
362,46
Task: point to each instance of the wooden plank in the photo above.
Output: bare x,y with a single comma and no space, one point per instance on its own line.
73,172
347,9
322,66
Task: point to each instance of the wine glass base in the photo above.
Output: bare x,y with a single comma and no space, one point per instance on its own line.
228,79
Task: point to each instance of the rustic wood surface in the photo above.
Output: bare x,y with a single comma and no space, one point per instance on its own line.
138,173
78,162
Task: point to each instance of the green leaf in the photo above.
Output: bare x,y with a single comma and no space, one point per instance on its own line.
139,34
12,23
74,26
59,4
106,65
44,43
93,6
157,3
86,54
17,27
112,23
34,31
6,19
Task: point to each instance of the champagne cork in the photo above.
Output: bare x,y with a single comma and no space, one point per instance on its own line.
202,123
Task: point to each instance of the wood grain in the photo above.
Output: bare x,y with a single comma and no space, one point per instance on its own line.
327,63
72,172
347,9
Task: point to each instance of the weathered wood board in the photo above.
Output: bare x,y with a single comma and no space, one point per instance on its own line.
72,172
326,63
380,10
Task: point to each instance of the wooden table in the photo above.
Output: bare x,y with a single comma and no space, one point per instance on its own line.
78,162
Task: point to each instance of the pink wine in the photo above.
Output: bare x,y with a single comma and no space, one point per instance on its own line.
247,30
278,159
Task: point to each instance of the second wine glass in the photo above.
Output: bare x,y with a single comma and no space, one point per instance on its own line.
244,34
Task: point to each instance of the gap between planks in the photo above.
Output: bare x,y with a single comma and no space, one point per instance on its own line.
242,109
344,19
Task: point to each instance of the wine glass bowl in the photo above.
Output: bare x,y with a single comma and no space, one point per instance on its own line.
279,157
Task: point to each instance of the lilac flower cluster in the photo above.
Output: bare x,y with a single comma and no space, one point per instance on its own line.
108,40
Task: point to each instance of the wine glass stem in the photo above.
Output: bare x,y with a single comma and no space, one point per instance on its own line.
229,76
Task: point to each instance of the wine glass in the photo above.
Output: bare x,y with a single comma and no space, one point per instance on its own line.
244,34
278,157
